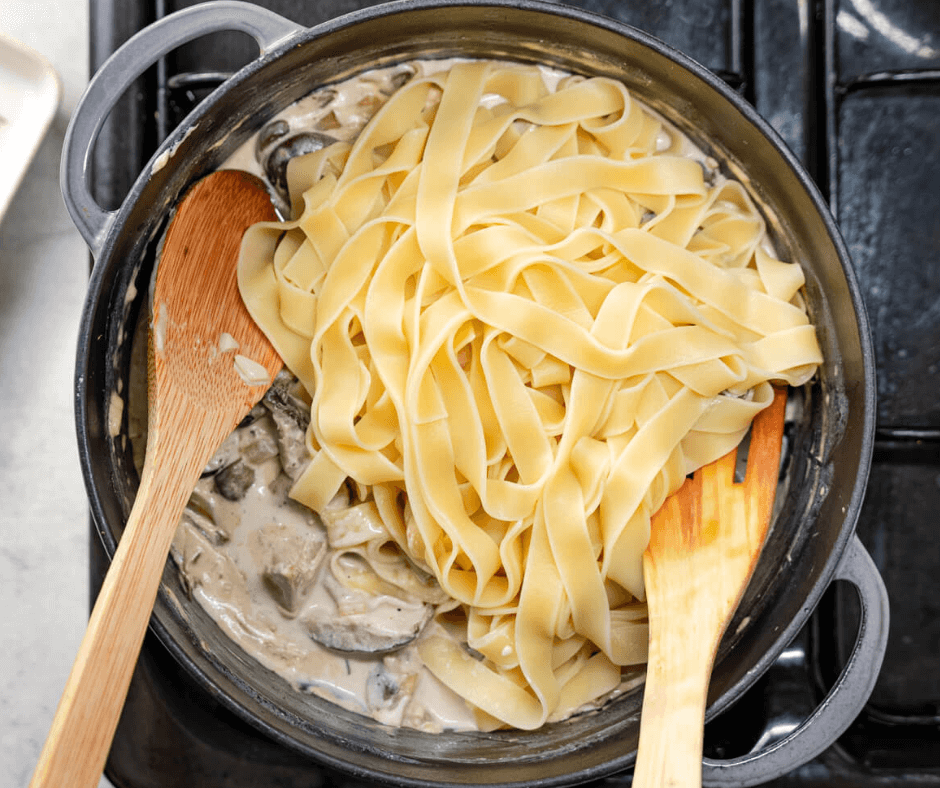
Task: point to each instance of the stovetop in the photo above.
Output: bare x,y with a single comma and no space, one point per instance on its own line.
853,87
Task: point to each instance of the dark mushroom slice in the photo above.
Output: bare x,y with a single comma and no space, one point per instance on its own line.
233,481
280,396
275,157
199,515
269,135
289,563
198,559
243,442
385,690
291,417
258,441
227,454
257,412
382,688
386,628
400,78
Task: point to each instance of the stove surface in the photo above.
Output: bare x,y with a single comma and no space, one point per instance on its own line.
853,87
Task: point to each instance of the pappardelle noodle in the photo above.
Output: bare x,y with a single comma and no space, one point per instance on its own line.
521,325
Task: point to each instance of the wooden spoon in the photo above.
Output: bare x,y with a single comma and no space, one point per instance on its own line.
196,398
704,544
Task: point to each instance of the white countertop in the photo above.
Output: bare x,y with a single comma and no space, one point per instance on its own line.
44,548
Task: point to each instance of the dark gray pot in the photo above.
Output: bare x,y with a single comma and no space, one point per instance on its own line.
812,541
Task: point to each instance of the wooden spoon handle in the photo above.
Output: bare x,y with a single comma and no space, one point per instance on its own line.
80,737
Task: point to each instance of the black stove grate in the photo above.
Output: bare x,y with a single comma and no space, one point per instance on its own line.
853,87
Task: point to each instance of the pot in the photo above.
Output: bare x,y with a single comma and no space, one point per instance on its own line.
812,541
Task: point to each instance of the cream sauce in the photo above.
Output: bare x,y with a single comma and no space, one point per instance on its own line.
262,567
159,327
115,414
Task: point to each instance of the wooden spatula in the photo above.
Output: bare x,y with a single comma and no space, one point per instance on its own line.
704,544
196,398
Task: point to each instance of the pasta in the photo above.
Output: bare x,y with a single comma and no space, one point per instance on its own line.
521,325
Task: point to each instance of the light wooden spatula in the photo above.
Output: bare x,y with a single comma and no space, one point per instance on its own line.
704,544
196,398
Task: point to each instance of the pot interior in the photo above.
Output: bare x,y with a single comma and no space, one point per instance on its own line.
828,441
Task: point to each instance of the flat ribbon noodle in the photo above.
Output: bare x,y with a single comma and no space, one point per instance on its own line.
521,326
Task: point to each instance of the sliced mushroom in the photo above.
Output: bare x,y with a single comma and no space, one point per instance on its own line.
289,562
257,412
386,627
233,481
281,397
199,560
275,157
401,78
269,135
382,688
473,652
710,170
291,417
259,440
226,455
199,515
386,690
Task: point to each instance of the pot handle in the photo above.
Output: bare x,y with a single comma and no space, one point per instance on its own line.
846,698
124,66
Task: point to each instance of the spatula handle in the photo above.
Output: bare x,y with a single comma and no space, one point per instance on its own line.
671,737
80,737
